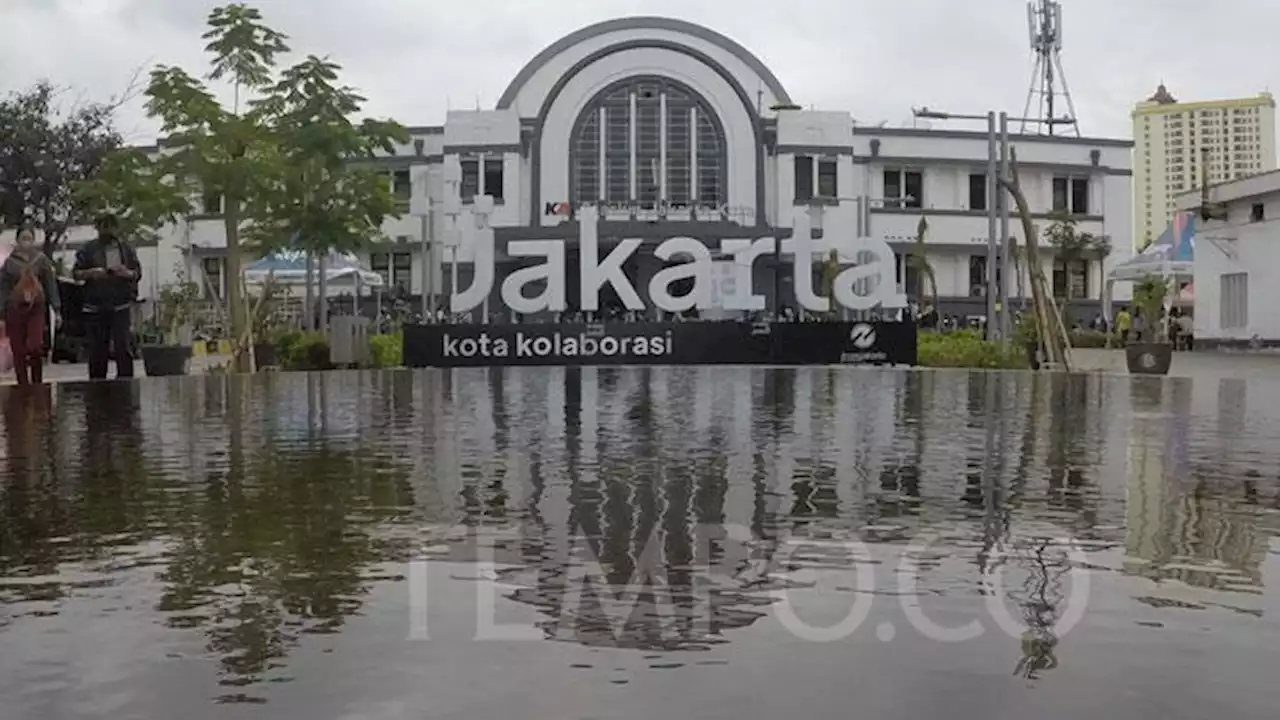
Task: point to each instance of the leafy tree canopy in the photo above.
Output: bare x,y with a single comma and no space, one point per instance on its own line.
44,152
279,156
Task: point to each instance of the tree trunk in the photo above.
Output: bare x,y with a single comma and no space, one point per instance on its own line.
1015,255
1049,326
322,302
1066,292
235,282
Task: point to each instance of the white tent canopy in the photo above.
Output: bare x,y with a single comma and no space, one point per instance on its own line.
1170,256
342,272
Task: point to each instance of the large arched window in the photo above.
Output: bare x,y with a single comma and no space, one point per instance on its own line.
648,140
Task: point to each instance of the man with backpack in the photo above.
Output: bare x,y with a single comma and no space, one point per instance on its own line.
109,268
29,290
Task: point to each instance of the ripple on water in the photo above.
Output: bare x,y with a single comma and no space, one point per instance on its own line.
252,540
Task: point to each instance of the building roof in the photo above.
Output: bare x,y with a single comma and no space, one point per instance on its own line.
1162,96
1155,106
643,22
1242,188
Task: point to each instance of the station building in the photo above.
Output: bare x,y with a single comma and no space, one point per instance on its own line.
672,129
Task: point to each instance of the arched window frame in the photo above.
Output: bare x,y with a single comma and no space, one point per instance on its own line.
625,163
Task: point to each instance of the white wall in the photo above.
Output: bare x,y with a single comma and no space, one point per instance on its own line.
1257,249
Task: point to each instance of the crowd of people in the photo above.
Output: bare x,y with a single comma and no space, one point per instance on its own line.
1132,326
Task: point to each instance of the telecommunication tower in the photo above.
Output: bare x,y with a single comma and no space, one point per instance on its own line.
1048,81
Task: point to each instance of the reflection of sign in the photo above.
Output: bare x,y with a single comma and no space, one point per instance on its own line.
862,336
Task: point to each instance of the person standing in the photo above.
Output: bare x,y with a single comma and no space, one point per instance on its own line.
29,289
109,268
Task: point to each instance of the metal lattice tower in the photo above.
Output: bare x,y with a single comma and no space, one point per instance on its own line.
1048,81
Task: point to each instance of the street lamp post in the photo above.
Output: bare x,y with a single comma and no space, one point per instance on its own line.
423,206
999,247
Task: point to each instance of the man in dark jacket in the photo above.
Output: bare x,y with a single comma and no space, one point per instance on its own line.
109,268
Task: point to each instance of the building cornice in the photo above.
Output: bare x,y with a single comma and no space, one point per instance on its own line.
982,136
1151,108
909,161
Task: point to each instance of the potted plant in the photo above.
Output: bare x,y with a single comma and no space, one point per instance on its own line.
267,324
172,354
1150,353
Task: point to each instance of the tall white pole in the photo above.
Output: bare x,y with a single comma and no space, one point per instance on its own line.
992,331
1006,243
428,266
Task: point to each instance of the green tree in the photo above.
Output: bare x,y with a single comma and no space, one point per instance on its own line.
282,143
44,151
1071,247
924,269
323,200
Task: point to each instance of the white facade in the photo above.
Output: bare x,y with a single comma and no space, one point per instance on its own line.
1234,304
669,126
1179,145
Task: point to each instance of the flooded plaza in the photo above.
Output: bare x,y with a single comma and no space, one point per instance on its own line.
635,543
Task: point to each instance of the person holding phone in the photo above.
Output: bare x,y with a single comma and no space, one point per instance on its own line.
109,268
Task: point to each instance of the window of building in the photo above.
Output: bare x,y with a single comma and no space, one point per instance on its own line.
1234,307
977,275
212,268
828,179
977,191
1071,195
804,178
903,188
470,186
211,203
1073,275
402,188
396,268
907,275
648,140
493,179
1258,212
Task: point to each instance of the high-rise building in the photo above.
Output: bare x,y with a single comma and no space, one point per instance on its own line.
1177,145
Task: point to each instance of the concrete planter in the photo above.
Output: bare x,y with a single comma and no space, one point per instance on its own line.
166,360
1149,358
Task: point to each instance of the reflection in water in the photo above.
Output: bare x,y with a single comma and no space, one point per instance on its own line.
235,522
1190,522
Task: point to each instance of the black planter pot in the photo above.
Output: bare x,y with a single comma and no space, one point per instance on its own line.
266,355
1148,358
166,360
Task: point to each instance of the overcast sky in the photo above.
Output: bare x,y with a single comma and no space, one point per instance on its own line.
415,58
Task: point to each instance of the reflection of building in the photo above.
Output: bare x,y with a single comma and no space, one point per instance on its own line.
674,128
1179,144
1179,528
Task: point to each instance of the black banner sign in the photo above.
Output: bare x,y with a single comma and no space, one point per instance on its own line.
670,343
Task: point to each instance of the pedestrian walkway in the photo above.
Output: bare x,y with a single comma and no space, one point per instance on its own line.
1185,364
79,372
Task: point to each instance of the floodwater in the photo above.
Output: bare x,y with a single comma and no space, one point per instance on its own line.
637,543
